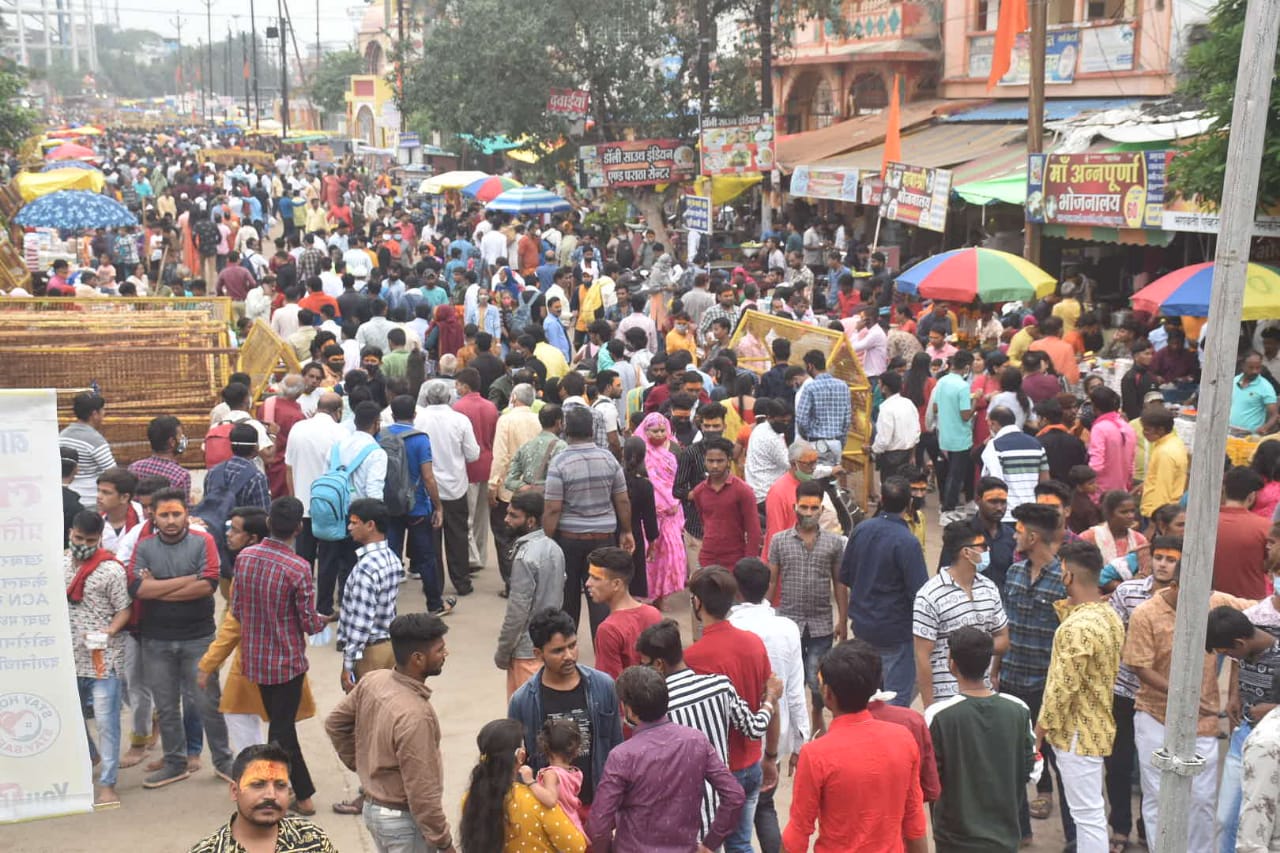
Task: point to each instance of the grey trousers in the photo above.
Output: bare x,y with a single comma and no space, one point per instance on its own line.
170,671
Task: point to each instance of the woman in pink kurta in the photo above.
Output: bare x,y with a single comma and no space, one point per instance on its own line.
666,558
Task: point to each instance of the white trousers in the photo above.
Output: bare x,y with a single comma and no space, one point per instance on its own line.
1082,783
478,535
244,730
1148,736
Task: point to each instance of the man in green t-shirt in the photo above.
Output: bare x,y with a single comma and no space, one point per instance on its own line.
986,753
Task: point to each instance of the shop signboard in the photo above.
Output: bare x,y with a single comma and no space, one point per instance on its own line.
819,182
697,213
1105,49
916,195
1061,49
1203,217
737,145
638,163
870,189
1108,189
573,103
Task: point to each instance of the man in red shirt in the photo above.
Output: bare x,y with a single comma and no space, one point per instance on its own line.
316,298
609,572
484,423
1239,560
861,780
527,253
727,650
235,281
284,411
729,506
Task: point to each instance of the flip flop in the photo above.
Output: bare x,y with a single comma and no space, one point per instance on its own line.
293,807
349,807
449,603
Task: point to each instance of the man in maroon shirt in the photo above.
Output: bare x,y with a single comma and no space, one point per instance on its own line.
740,655
1239,560
234,281
609,572
284,411
484,422
728,504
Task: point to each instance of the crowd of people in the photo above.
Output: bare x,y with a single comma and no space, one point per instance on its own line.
575,400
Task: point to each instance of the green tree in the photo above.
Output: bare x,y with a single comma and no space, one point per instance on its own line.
331,80
16,120
1209,82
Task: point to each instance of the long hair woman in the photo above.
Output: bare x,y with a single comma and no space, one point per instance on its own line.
501,816
644,514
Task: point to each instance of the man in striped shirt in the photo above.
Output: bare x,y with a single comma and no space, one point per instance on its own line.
708,703
1015,457
93,454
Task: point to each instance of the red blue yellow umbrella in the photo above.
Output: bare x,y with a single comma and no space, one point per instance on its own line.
487,189
988,275
1185,293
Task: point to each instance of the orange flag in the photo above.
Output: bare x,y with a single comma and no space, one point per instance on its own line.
1013,20
893,133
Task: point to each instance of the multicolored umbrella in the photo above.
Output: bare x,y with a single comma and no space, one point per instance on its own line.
71,151
487,189
1185,292
528,200
438,184
75,210
988,275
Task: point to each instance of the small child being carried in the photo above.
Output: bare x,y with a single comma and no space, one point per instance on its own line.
559,782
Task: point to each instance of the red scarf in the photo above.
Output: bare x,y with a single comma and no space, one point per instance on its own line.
131,518
75,590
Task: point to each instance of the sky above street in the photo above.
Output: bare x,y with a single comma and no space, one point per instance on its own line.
337,22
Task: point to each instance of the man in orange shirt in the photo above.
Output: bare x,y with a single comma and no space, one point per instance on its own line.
527,254
861,781
1061,353
316,297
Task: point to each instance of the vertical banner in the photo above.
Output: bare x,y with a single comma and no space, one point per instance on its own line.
44,757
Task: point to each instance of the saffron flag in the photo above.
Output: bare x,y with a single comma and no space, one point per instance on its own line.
893,133
246,69
1013,20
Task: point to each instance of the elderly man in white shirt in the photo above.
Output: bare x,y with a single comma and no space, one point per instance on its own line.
453,445
897,428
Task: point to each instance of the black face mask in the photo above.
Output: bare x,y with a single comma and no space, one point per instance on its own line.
917,504
778,426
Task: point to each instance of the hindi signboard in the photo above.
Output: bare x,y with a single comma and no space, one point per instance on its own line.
573,103
697,213
916,195
1106,49
44,757
1062,47
639,163
737,145
1123,189
817,182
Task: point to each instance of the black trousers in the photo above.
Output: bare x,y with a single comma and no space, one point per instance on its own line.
891,462
337,559
1120,764
281,704
306,545
455,531
576,552
502,540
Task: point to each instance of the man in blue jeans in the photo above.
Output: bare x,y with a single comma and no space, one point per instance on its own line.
883,567
98,605
174,574
1249,636
425,516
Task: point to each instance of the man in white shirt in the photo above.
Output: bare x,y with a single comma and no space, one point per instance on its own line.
897,428
358,262
373,332
767,458
781,638
368,480
330,281
306,457
493,247
453,445
871,343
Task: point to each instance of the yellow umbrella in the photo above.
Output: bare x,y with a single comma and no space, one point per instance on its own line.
33,185
450,181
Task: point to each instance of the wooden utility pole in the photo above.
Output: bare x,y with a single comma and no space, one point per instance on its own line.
764,20
1177,760
284,74
1037,11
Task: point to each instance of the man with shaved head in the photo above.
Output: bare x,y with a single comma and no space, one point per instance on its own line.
284,411
307,457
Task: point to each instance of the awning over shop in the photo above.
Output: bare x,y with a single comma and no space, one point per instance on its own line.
1121,236
1055,110
937,146
851,134
1007,189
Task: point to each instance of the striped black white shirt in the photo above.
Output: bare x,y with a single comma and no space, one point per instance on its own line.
942,607
711,704
1018,459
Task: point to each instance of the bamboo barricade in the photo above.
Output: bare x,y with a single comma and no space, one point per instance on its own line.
265,356
752,341
146,356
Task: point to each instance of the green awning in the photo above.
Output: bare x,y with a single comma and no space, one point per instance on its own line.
1009,189
490,144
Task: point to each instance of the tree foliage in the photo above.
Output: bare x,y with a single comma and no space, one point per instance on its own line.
329,86
16,120
1209,80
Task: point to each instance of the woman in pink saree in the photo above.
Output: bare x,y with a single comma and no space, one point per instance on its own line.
666,556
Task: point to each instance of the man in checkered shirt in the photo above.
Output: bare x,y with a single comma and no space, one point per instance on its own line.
824,409
369,598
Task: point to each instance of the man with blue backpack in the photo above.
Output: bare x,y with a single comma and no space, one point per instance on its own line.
357,469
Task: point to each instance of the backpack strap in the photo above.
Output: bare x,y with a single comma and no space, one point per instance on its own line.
360,457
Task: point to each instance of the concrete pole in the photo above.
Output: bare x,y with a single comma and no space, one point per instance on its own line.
1177,759
48,34
23,59
75,34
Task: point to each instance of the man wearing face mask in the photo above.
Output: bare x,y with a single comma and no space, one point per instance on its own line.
168,442
691,470
766,450
682,428
958,595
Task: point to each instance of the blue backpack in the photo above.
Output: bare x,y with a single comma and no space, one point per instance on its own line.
331,496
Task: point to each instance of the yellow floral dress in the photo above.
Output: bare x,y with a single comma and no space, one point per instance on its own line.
534,828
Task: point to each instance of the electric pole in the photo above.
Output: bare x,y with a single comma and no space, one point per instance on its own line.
1038,11
284,74
180,81
200,73
253,38
400,52
208,21
244,48
226,74
1177,759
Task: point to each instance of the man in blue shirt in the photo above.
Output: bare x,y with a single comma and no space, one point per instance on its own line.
824,409
952,410
883,567
1253,399
546,271
422,523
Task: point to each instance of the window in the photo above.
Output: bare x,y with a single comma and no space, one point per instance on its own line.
988,14
869,94
1106,10
1061,12
821,108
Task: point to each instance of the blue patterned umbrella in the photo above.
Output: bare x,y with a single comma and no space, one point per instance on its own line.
528,200
75,210
66,164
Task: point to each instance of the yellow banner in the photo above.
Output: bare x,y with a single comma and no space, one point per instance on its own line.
232,156
44,757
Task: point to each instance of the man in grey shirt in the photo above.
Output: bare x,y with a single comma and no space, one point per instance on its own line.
93,454
586,508
537,583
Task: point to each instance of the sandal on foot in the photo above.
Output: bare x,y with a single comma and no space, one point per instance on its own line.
1040,808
